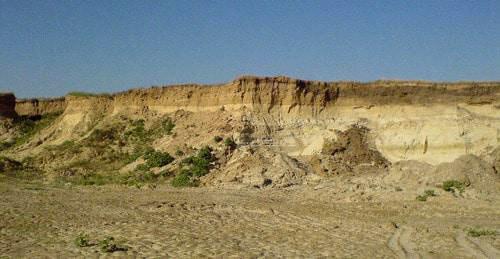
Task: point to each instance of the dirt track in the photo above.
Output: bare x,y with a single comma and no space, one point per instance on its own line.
43,221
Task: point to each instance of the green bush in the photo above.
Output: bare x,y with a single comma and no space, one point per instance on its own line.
194,167
157,159
452,185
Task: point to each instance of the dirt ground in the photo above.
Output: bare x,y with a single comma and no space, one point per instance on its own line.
42,221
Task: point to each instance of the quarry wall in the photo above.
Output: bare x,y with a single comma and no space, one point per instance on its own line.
408,120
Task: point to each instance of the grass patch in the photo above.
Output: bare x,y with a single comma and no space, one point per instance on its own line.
453,186
27,127
87,94
476,232
136,178
15,169
82,240
138,132
218,139
427,194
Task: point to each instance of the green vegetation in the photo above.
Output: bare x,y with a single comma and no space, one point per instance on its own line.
27,128
481,232
183,179
138,133
218,139
136,178
179,152
453,185
167,125
82,240
6,144
427,194
157,159
15,169
193,167
109,245
87,94
229,142
101,136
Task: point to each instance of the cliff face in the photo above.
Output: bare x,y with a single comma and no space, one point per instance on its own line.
407,120
273,93
35,107
7,105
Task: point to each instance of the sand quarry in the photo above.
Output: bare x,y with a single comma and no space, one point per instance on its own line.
260,167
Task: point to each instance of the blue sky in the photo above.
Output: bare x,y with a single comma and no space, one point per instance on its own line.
48,48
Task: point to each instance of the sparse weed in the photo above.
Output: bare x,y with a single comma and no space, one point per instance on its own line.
82,240
28,127
168,125
453,185
109,245
476,232
427,194
430,193
87,94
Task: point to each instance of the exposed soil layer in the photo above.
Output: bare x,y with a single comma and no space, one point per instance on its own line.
38,107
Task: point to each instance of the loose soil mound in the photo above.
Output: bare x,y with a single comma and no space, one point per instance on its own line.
348,152
259,167
468,169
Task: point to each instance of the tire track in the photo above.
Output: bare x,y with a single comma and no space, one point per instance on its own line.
476,247
401,245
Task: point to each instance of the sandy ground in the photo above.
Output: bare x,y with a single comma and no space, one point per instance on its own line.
42,221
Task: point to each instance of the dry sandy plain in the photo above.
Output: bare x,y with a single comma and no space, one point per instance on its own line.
42,221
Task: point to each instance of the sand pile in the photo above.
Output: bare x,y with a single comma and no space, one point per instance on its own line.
349,153
470,170
258,167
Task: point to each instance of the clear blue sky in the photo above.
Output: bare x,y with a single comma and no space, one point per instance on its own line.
48,48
